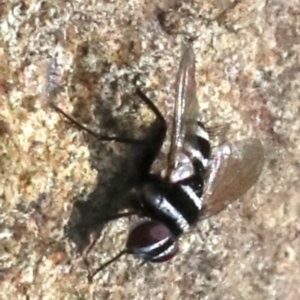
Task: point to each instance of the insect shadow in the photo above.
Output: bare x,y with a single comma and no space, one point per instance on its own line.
112,192
112,189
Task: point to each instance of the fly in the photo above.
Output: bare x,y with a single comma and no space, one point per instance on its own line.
193,187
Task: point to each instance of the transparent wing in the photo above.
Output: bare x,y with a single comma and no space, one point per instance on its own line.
234,170
186,108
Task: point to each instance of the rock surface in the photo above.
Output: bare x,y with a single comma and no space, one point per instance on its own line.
248,75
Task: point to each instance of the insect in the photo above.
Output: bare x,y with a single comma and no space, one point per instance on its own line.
193,186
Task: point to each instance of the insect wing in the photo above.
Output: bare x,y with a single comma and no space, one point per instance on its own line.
234,170
186,108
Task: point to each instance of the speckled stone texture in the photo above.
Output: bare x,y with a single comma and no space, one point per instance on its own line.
248,76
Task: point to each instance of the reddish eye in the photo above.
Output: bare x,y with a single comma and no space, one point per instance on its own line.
152,241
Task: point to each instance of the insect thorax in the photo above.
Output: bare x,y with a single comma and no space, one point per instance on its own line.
177,205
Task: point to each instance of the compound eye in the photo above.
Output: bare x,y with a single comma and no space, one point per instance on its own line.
152,241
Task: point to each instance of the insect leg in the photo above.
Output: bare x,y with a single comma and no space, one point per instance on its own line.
107,219
119,216
152,107
100,137
118,139
103,266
